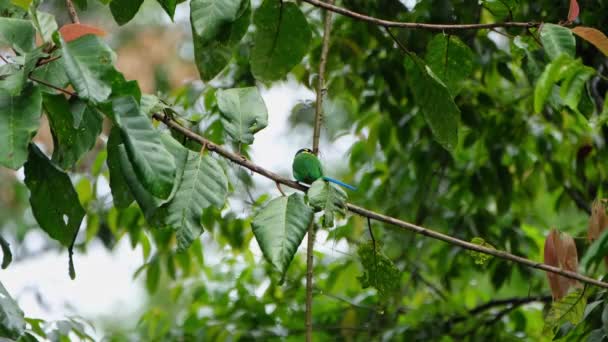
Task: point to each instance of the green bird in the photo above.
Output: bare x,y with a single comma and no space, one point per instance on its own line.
307,169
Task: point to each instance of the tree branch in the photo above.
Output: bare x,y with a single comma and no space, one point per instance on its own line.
72,11
401,24
241,160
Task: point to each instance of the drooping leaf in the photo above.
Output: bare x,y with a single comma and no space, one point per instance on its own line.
480,258
597,251
552,74
54,201
574,84
7,256
168,6
450,59
12,322
434,101
124,10
280,41
45,24
75,127
121,194
203,184
217,27
279,228
243,111
557,40
573,10
379,271
88,62
567,309
593,36
153,275
327,197
560,251
19,120
19,34
70,32
152,163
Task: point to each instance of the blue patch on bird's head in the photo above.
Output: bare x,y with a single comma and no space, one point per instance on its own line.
305,150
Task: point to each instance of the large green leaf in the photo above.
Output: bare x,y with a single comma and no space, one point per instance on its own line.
327,197
75,126
204,184
435,102
557,40
217,26
152,163
450,59
88,62
119,187
279,228
243,112
12,321
14,83
124,10
19,120
54,201
51,73
574,84
45,24
552,74
168,6
19,34
280,41
571,309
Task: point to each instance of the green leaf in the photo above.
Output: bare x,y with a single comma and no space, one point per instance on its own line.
379,271
573,86
217,27
12,322
152,163
557,40
124,10
25,4
14,83
568,309
88,62
7,256
204,184
327,197
552,74
121,194
54,201
280,41
45,24
435,102
596,252
243,113
153,275
75,127
450,59
279,228
500,8
480,258
168,6
19,34
19,120
52,73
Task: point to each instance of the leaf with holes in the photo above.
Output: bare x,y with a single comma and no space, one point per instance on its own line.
378,270
557,40
434,101
570,308
54,201
450,59
279,228
480,258
19,34
217,27
152,163
243,112
72,139
593,36
281,39
327,197
19,120
12,321
88,62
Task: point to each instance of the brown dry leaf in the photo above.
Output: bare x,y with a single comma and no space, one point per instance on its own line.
598,222
70,32
593,36
560,251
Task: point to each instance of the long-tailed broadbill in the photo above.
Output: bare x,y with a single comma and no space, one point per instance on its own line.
307,169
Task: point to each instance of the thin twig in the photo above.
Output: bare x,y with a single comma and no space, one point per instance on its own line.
65,91
241,160
279,187
401,24
72,12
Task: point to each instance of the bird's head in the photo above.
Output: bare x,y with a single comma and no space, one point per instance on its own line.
304,150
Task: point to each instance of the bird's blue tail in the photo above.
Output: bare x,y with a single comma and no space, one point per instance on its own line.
335,181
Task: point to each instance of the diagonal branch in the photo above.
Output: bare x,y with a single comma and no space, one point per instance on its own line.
241,160
401,24
72,11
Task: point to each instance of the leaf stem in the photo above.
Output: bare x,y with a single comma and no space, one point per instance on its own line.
72,11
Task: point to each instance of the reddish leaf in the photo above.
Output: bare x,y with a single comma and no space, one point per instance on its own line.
70,32
598,222
593,36
560,251
573,11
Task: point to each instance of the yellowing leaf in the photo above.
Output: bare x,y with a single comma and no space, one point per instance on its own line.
593,36
480,258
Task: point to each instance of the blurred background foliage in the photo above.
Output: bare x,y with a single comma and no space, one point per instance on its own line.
515,175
